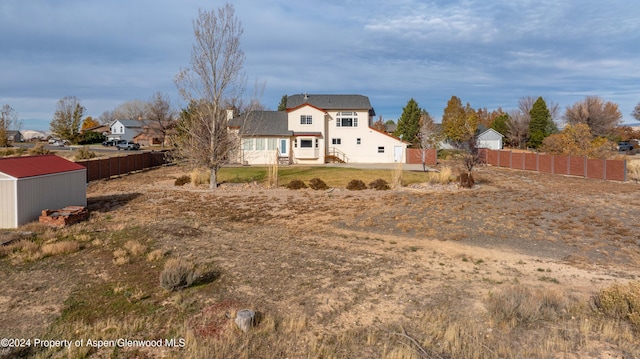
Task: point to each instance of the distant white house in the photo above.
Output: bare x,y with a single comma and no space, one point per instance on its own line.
490,139
125,129
315,129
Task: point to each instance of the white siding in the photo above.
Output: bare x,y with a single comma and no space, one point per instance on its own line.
264,156
49,192
7,202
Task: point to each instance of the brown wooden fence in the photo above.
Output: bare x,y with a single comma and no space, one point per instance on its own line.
414,156
116,166
615,170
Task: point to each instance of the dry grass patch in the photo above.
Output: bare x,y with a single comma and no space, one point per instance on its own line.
633,170
156,255
62,247
444,176
200,176
135,248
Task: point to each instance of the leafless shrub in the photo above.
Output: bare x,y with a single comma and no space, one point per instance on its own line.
296,184
177,274
182,180
356,185
83,153
38,149
379,184
317,184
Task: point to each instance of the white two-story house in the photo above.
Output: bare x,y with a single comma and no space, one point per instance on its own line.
124,129
316,129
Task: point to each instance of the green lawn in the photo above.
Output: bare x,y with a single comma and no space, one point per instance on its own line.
333,176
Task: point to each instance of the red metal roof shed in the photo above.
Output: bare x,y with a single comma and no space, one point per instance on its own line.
31,184
31,166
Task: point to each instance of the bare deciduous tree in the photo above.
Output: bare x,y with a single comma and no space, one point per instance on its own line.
518,127
8,119
67,118
132,110
636,112
428,135
601,117
107,117
161,116
215,78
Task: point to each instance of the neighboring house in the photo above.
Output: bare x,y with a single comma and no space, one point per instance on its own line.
151,134
31,184
124,129
15,136
490,139
102,129
316,129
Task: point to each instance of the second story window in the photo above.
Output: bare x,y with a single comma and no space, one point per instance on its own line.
306,120
347,119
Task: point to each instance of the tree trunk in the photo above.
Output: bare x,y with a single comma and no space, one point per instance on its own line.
245,319
213,179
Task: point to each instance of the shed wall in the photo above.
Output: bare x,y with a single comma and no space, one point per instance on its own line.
50,192
7,203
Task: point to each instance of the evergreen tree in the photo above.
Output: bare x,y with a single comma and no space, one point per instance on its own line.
409,122
459,122
501,124
541,124
282,106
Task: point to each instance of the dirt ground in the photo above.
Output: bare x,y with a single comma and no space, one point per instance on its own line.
349,259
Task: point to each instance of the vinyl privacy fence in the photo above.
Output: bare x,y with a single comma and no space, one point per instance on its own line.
615,170
116,166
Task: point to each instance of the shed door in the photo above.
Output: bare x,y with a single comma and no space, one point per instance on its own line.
397,153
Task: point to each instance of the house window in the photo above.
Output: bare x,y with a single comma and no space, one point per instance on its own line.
247,144
306,120
316,143
260,144
272,143
336,141
347,119
306,143
380,149
121,129
358,141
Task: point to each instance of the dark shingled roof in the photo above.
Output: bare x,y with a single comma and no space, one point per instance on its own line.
330,102
262,123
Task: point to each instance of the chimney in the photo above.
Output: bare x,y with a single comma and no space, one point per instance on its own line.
229,114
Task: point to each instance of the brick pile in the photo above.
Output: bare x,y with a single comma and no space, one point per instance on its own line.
65,216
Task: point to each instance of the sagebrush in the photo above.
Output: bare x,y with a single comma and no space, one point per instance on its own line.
177,274
356,185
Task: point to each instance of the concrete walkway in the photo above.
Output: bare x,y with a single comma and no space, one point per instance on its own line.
380,166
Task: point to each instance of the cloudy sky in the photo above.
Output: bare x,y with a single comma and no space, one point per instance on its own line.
489,53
